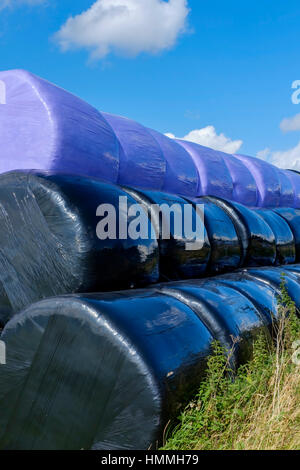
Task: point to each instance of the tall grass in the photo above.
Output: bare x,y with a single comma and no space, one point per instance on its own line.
260,408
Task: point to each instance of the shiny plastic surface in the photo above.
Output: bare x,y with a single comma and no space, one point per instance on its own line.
287,193
214,175
175,260
46,128
226,250
230,316
141,158
294,178
292,217
274,278
181,172
284,238
266,178
98,371
107,371
49,245
244,185
256,236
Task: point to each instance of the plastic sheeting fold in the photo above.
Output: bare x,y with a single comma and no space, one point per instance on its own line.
256,236
292,217
284,238
176,261
226,249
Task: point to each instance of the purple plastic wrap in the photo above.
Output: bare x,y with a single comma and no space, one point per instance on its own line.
267,180
244,185
181,173
43,127
141,157
287,195
214,175
295,181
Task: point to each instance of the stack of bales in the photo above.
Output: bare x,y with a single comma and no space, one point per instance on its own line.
107,370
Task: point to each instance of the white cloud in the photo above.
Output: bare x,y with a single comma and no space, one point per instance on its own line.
125,26
291,124
288,159
208,137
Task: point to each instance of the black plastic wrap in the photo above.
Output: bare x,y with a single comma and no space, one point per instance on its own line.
256,236
264,296
98,371
274,278
226,248
292,216
230,316
284,238
107,371
294,269
49,245
176,262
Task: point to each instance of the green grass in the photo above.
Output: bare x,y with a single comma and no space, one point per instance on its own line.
259,409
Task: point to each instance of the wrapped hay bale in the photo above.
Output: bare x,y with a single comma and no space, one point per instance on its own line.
256,236
98,371
107,371
49,243
184,246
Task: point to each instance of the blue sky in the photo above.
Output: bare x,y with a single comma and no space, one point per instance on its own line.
227,64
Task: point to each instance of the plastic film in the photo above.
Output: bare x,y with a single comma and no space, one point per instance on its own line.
49,242
98,371
284,239
226,249
256,237
180,257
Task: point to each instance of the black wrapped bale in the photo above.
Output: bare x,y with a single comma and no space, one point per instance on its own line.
107,371
284,238
177,261
98,371
49,245
292,269
292,217
264,296
256,236
226,248
275,277
230,316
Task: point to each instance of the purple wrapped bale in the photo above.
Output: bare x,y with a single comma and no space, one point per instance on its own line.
181,173
141,158
295,181
244,185
214,175
267,181
287,195
43,127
